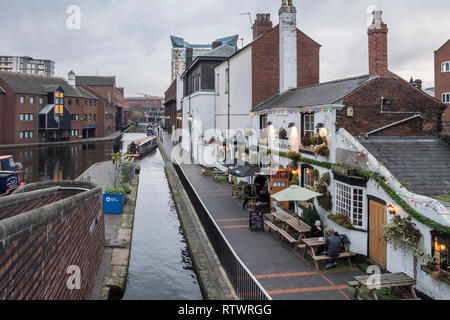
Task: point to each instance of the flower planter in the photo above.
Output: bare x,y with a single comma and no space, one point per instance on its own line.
113,203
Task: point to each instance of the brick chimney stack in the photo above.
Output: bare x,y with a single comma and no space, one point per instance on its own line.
378,46
262,25
288,46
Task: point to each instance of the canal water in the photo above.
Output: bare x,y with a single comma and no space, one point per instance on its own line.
160,264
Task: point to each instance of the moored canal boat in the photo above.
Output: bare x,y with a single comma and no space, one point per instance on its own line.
138,149
10,175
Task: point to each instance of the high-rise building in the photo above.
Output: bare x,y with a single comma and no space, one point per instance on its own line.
27,65
183,51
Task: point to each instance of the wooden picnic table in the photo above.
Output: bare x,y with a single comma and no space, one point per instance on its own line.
388,280
289,222
312,244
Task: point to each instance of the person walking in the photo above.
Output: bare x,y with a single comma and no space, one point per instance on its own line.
247,194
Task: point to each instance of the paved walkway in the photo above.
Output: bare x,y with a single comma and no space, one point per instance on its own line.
284,274
102,174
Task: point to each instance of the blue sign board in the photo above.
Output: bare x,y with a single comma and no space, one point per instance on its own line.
113,203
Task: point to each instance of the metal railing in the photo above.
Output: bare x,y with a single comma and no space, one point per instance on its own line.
243,281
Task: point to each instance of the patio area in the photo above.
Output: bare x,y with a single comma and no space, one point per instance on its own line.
285,273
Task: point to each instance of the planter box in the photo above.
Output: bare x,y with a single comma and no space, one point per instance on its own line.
344,171
113,203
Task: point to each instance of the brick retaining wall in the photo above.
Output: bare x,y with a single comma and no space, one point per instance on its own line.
38,246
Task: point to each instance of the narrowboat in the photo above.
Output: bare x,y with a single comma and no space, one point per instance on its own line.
10,175
138,149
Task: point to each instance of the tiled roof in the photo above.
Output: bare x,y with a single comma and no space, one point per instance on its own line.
223,51
95,81
32,84
422,163
317,95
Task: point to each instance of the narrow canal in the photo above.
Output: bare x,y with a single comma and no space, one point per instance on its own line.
160,265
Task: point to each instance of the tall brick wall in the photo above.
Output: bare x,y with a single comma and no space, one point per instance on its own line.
442,80
366,103
266,64
37,247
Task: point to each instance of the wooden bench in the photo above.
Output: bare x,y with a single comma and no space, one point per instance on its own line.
388,280
271,226
287,236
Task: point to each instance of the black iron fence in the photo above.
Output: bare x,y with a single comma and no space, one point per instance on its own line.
243,281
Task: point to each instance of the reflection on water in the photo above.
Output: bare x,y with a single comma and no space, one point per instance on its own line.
160,263
61,162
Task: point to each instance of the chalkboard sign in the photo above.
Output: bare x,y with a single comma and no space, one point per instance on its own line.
256,221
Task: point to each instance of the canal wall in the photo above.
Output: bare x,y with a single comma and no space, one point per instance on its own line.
62,143
51,245
209,283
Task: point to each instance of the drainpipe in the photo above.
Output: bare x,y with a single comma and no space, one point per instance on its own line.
37,120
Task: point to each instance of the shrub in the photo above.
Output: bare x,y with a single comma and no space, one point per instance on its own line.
116,190
310,216
342,220
322,150
306,141
294,156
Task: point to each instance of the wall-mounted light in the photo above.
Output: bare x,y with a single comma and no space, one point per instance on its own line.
269,123
392,209
291,125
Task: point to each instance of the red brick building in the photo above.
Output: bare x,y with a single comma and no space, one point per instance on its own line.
442,80
151,106
170,106
30,107
106,87
266,59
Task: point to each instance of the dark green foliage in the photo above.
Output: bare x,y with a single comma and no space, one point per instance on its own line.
310,216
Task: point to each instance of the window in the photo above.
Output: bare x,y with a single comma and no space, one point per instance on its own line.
445,66
90,103
27,117
77,102
227,80
22,100
41,100
439,249
308,180
31,117
32,100
218,84
446,97
26,134
350,201
95,117
85,102
75,117
308,124
69,102
263,122
74,133
85,117
22,117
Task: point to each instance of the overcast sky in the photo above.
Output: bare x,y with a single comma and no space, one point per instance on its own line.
130,38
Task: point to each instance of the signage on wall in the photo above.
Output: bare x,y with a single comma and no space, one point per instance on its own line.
279,181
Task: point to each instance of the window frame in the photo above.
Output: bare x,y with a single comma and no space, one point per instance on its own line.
445,66
263,122
446,97
435,236
339,200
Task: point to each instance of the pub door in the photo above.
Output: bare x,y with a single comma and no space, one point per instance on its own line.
377,242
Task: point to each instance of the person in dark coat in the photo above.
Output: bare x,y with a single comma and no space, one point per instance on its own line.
247,194
332,248
316,231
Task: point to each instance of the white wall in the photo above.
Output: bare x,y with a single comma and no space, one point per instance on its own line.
239,94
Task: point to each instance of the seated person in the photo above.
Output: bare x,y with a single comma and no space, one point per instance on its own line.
264,196
332,248
316,231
